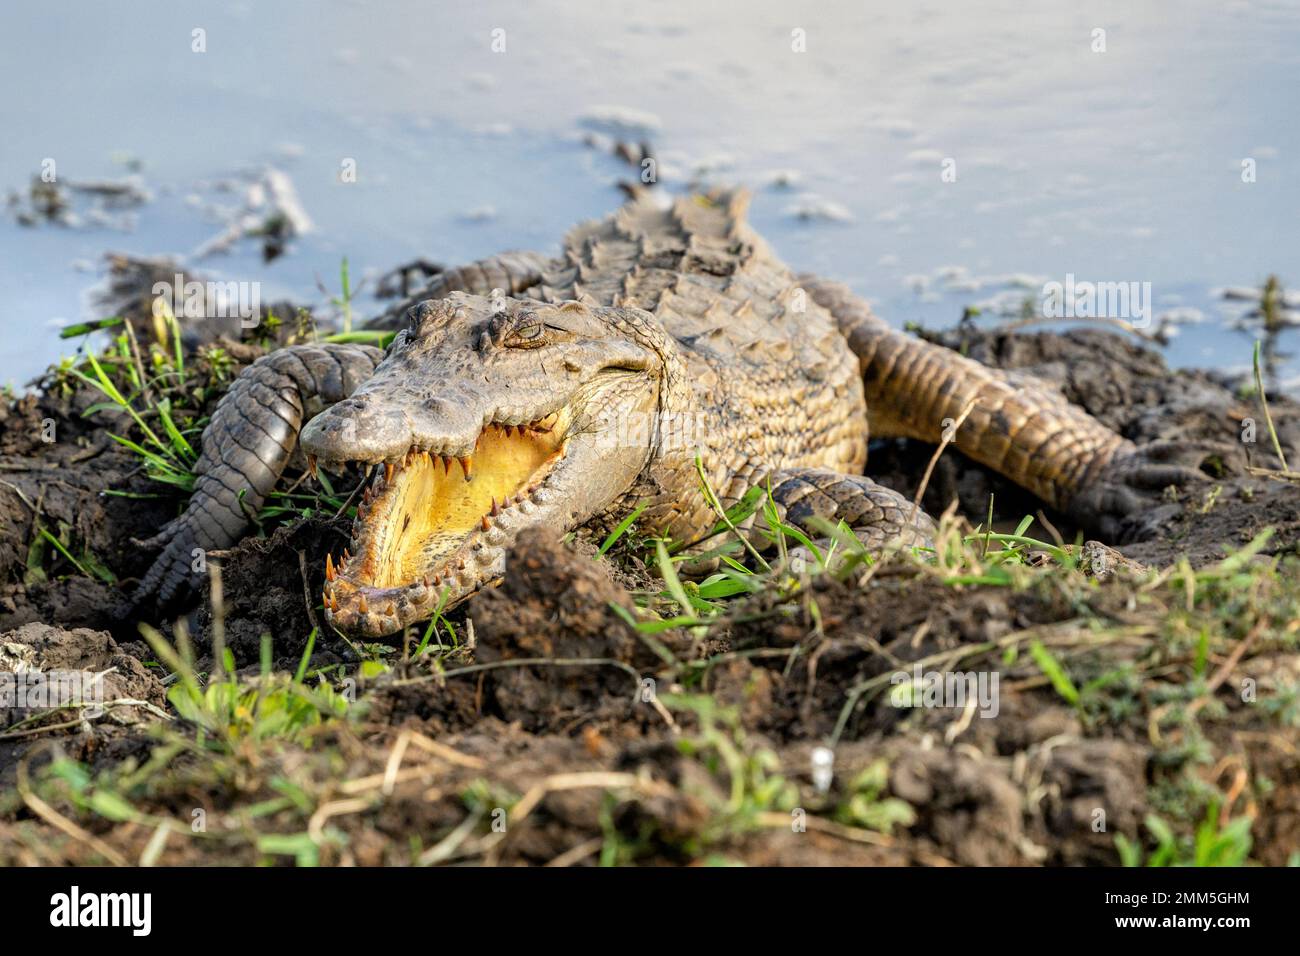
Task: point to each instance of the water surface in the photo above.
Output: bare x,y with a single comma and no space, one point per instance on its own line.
1117,166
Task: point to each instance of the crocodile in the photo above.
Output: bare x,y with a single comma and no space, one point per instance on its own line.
665,363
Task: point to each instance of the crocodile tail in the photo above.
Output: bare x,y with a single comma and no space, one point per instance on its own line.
246,446
1017,426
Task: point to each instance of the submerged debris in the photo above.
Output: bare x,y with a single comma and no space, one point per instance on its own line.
269,210
75,204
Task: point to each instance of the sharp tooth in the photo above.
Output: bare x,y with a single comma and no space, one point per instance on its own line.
427,583
311,465
446,464
496,508
460,565
437,580
485,523
347,555
363,606
388,471
329,567
467,464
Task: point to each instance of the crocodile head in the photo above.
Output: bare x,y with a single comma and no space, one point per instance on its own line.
487,416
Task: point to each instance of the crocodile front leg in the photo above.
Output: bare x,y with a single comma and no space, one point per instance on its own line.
1018,426
879,516
246,446
512,272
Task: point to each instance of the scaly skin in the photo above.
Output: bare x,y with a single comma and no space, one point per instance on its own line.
660,335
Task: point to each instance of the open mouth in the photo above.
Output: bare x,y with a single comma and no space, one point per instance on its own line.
430,522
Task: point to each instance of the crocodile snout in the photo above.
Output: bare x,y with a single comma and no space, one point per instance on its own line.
357,430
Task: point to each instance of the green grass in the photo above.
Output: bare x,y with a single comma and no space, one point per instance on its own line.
1212,844
229,711
344,301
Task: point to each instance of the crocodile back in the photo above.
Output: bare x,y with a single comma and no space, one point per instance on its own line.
774,380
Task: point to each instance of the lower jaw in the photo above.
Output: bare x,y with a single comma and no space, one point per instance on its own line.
355,605
377,620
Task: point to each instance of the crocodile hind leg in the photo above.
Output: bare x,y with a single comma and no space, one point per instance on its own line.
246,446
512,272
1017,426
808,498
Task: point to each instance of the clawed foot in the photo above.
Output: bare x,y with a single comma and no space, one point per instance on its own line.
1139,491
169,579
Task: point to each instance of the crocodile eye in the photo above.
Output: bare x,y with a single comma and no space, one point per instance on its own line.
526,335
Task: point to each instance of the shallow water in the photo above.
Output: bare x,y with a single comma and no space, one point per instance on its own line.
1117,166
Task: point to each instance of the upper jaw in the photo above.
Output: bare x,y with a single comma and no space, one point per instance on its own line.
345,434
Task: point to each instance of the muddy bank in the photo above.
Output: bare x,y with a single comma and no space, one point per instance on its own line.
538,743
